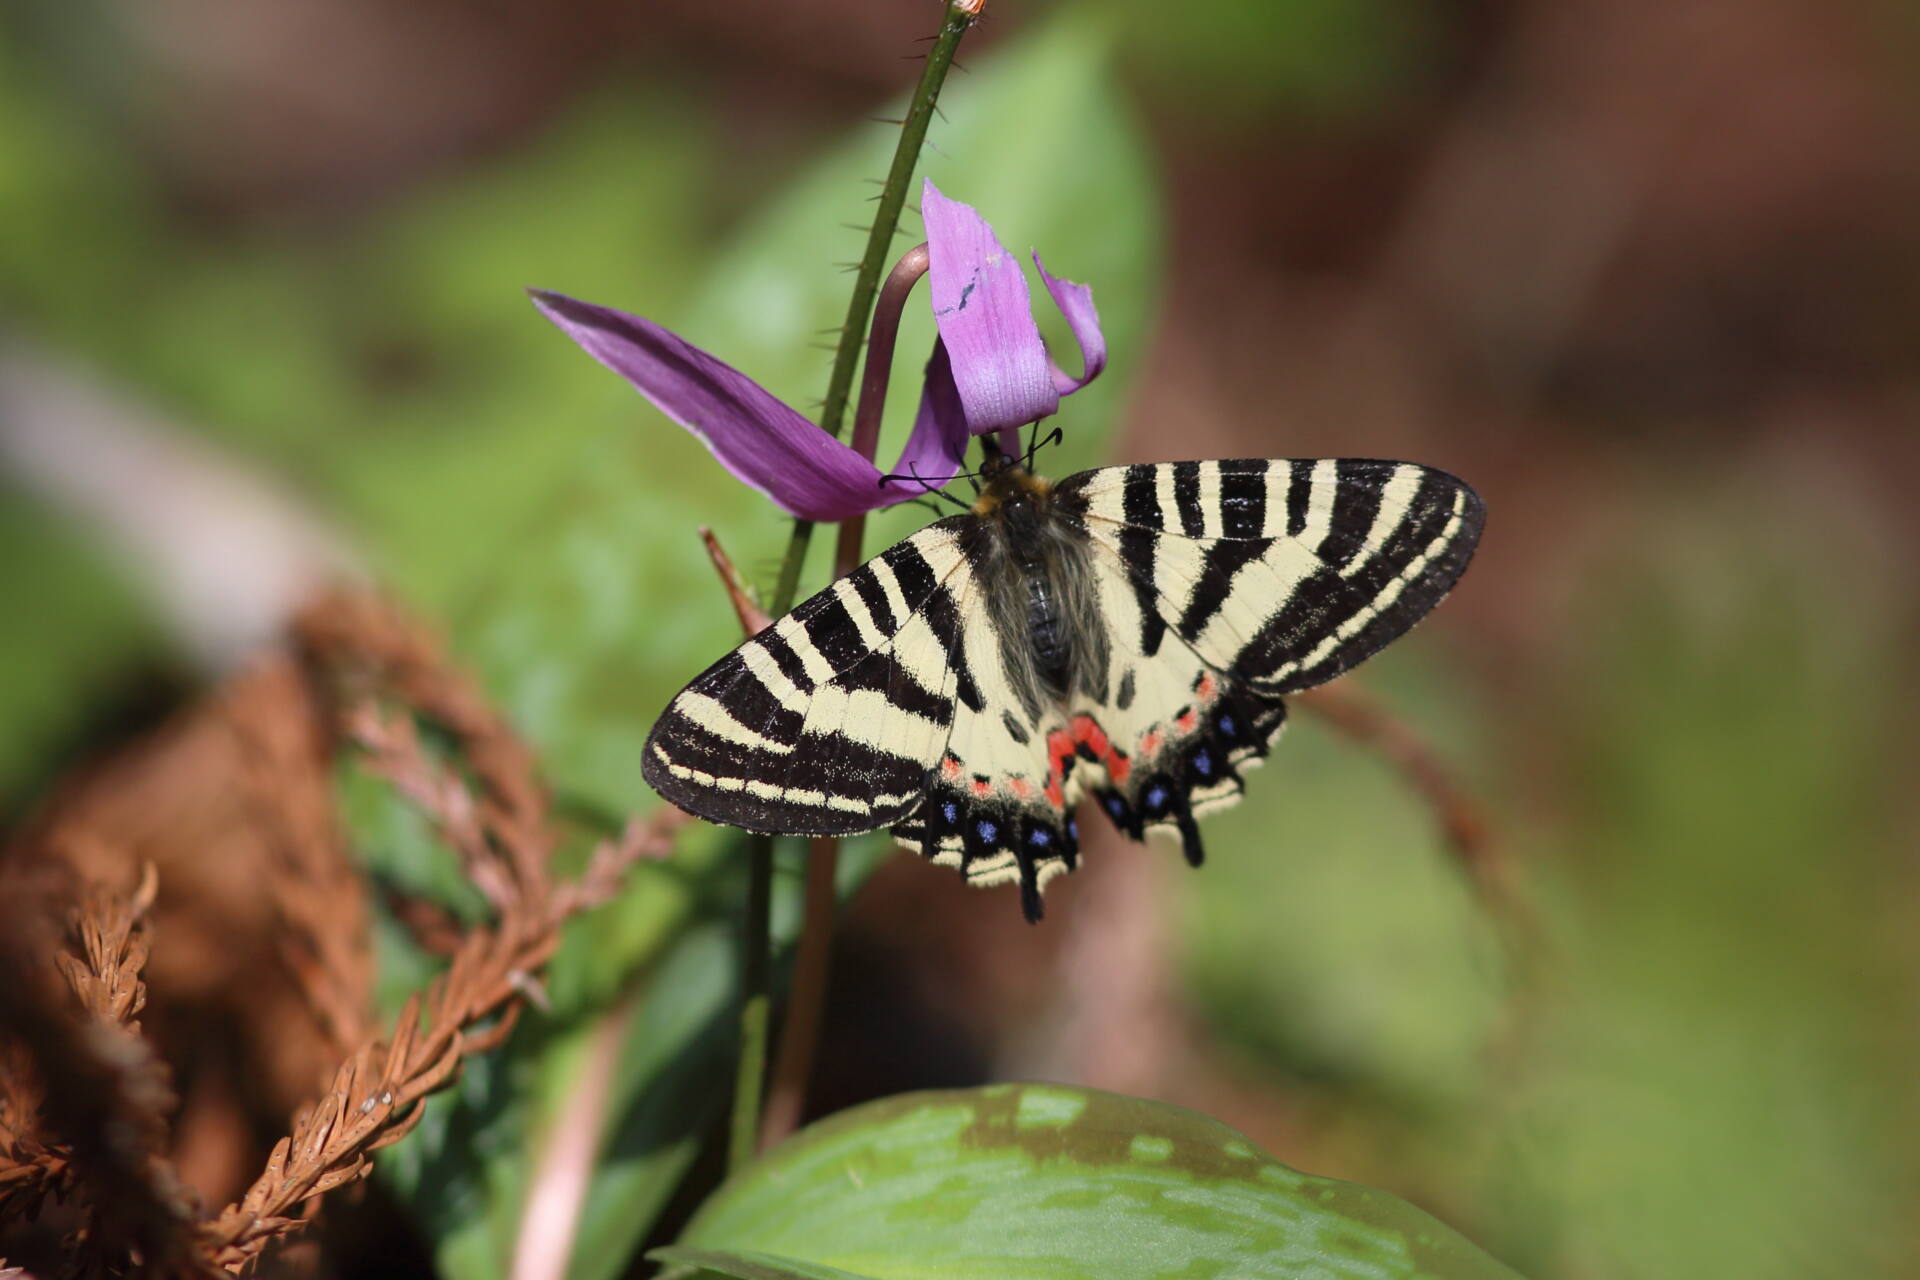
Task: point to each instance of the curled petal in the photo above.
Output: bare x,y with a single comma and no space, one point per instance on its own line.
937,447
754,434
1076,304
980,303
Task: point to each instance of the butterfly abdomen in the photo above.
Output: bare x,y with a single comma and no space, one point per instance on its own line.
1044,608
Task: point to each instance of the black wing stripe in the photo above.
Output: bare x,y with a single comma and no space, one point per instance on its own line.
866,582
911,571
943,619
1141,501
1356,504
1222,562
1404,580
883,674
1141,497
828,721
1186,497
1330,623
784,656
1243,497
834,634
1299,491
748,699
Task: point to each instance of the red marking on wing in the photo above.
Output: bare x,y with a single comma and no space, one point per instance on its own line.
949,768
982,788
1207,686
1088,733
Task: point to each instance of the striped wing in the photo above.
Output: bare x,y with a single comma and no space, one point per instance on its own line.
830,720
999,802
1227,584
1168,740
1282,574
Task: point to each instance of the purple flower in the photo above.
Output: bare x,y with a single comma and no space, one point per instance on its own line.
990,372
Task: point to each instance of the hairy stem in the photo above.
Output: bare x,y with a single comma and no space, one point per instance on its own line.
959,16
787,1096
866,282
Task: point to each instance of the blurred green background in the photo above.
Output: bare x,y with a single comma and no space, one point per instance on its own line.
1648,275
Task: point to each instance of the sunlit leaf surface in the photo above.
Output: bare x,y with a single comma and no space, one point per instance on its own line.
1058,1183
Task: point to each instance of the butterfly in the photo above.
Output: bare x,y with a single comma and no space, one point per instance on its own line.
1127,633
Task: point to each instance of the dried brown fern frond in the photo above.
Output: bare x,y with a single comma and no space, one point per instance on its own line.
286,746
647,840
390,674
100,1126
375,1096
84,1112
111,932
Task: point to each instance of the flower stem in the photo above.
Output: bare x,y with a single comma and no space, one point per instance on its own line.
745,1125
743,1137
793,1064
866,282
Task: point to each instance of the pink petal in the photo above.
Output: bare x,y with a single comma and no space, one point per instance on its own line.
1076,304
981,305
756,436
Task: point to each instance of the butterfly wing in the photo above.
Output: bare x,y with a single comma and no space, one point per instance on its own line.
1227,584
1214,588
999,802
829,721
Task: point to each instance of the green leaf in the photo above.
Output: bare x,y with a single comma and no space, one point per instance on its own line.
1055,1183
744,1266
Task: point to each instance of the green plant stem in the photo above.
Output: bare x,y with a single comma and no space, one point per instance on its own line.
757,981
757,977
866,282
793,1063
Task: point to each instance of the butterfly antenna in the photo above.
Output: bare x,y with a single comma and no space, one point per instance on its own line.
1036,442
933,490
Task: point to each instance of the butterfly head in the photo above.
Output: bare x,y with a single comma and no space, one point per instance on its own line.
1011,492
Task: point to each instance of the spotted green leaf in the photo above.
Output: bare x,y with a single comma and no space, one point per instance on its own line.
1047,1182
